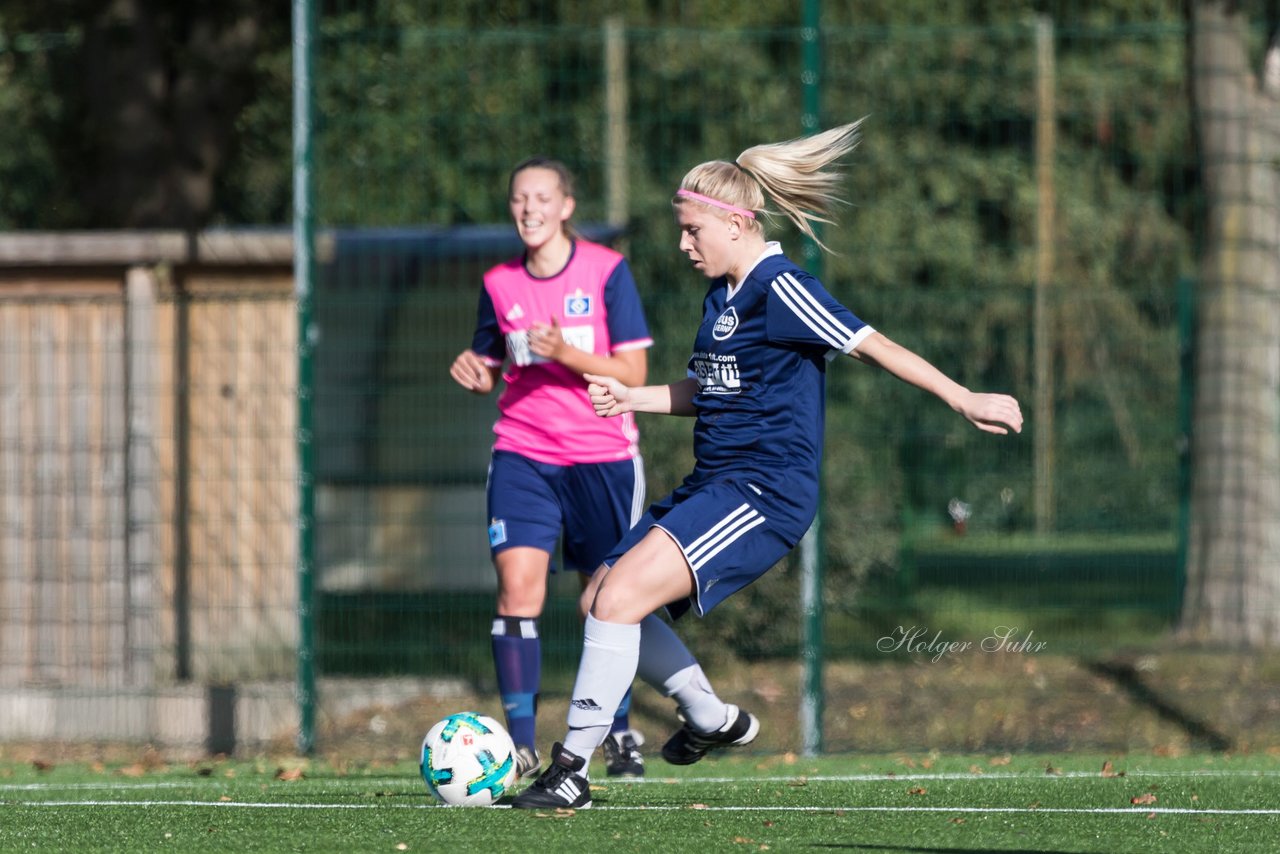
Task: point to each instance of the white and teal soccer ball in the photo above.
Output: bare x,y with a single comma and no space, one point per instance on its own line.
468,760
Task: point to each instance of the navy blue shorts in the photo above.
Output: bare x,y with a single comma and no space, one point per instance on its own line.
722,527
592,505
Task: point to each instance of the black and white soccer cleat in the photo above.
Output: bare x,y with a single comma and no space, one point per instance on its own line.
561,786
689,745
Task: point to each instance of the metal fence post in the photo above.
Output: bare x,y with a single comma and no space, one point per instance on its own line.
304,273
811,545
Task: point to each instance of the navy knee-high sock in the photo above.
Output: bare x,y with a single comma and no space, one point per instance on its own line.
517,658
622,717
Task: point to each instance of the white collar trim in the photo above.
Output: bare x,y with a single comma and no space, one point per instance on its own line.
773,247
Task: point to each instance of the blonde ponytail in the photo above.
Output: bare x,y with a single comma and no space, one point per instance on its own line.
791,173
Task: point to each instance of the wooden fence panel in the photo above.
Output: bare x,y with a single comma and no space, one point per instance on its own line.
62,446
147,437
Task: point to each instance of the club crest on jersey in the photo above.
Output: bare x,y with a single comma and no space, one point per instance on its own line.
725,324
577,305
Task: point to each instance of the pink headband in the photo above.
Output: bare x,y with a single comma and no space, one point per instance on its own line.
715,203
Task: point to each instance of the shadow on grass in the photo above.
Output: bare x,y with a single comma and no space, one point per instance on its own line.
1126,677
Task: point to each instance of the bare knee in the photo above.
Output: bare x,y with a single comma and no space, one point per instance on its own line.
614,603
522,582
520,602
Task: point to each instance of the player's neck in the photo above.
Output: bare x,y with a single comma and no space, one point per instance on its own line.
550,258
748,253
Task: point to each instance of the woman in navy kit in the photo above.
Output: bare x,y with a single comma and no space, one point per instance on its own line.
756,387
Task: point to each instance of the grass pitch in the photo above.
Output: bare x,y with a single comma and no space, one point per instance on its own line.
1073,803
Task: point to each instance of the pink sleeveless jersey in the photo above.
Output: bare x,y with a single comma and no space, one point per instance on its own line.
545,413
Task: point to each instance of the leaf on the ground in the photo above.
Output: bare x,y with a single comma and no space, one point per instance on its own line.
1144,799
289,774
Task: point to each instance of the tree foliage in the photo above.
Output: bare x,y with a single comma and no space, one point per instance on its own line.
130,117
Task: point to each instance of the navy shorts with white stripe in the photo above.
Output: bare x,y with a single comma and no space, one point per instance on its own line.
722,527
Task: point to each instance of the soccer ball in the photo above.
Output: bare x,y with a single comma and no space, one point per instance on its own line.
468,760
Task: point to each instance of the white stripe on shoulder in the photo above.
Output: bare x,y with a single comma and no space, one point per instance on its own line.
813,313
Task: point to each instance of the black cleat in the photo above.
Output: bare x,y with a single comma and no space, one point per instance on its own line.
527,762
559,787
688,745
622,754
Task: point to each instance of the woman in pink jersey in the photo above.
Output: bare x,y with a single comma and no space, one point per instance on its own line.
564,308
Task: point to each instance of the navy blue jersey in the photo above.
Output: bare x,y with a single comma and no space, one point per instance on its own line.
760,360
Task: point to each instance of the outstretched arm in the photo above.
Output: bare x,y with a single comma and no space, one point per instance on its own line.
992,413
611,397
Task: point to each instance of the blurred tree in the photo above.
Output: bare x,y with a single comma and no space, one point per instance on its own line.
1233,561
30,176
147,105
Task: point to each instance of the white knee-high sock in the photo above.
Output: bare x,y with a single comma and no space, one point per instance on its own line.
697,700
666,664
608,667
